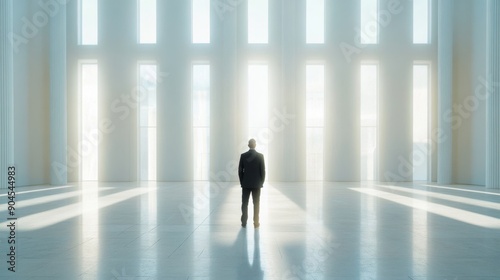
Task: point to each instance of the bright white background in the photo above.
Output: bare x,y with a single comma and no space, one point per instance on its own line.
229,53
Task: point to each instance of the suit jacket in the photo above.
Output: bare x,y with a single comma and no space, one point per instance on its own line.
252,170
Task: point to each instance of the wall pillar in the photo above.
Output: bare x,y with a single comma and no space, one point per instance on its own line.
6,92
493,101
445,91
58,88
395,105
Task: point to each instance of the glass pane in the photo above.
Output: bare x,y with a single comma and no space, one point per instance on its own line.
144,155
369,21
147,121
420,21
201,121
315,28
314,153
369,109
420,121
147,21
368,148
151,153
258,90
147,88
258,94
257,21
315,87
314,159
369,86
89,22
201,151
89,142
201,21
201,95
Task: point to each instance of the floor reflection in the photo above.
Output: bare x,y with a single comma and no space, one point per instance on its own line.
420,238
90,228
52,216
250,267
368,237
148,227
436,208
464,189
315,230
201,215
456,198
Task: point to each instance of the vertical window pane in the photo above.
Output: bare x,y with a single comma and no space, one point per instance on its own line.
420,121
257,21
315,28
258,92
201,121
315,87
369,21
147,121
147,21
201,21
369,106
88,22
420,21
89,134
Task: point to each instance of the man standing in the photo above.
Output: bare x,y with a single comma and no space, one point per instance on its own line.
252,173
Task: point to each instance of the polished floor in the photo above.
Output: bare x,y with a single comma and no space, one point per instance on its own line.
308,231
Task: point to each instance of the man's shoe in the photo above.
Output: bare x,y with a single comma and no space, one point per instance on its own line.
256,225
243,225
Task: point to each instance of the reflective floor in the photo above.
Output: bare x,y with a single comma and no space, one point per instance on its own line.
308,231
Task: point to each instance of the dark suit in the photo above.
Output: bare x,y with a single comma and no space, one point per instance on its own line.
252,173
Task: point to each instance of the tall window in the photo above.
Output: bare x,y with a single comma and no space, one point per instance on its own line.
315,21
369,116
88,22
147,21
201,121
258,116
147,121
421,21
201,21
89,118
315,88
420,121
369,21
258,21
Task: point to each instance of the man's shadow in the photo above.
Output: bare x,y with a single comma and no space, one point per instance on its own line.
247,270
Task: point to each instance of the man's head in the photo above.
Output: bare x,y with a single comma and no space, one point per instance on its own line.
252,143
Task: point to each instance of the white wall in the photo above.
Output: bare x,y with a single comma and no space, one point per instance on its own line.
117,82
343,119
228,55
469,129
31,98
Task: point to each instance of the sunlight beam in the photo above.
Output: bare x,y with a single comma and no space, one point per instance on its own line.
57,215
41,190
462,190
50,198
464,200
438,209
